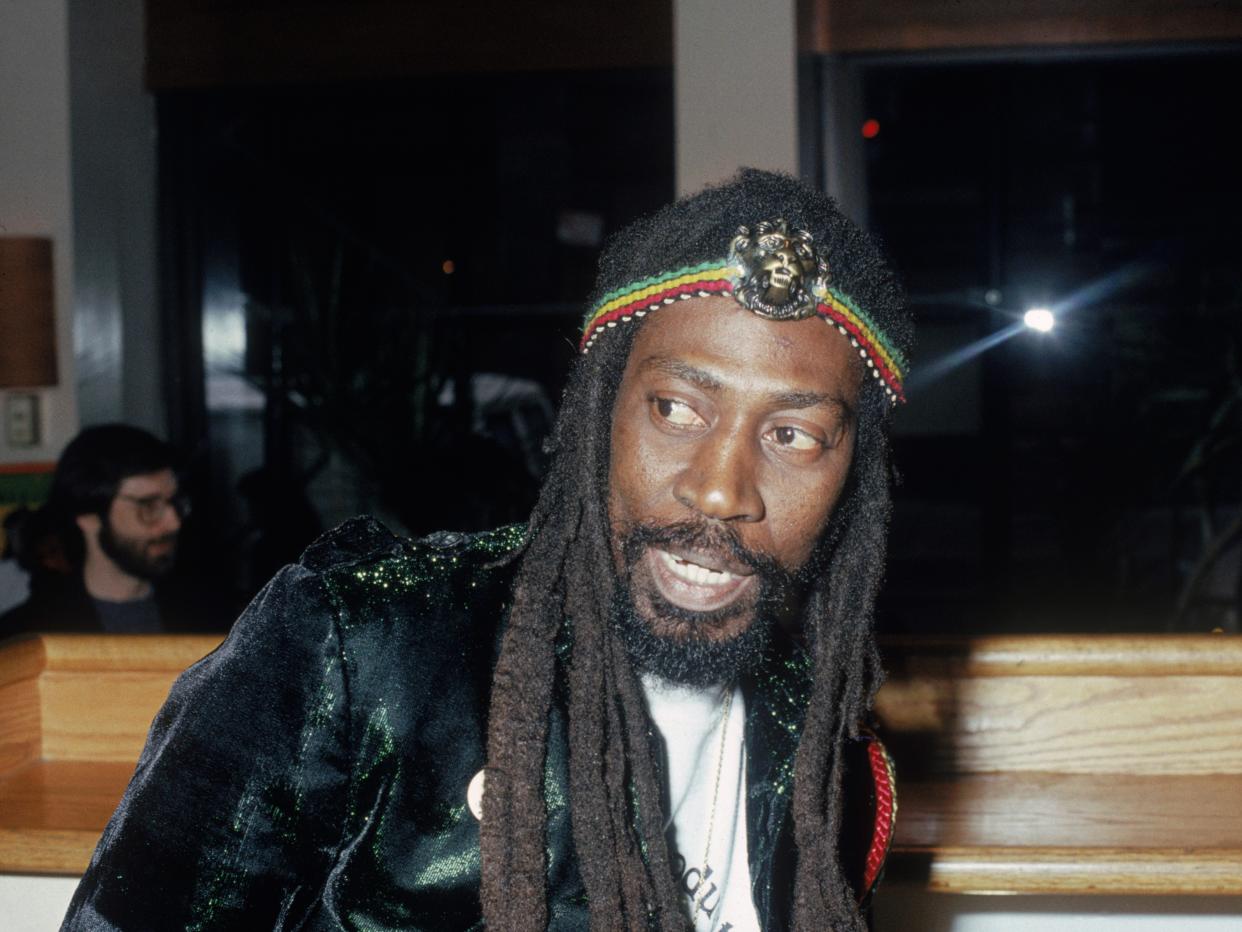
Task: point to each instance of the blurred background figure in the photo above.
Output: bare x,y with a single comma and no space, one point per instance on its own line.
34,556
100,554
14,579
282,521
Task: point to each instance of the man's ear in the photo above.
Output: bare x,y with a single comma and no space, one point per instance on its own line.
89,525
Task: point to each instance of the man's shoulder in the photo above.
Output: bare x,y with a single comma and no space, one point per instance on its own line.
390,613
375,579
364,543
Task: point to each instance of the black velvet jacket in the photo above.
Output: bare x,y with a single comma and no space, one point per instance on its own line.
311,773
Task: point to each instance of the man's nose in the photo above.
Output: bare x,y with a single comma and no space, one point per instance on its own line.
721,479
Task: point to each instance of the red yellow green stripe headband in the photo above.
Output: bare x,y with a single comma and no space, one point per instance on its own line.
773,271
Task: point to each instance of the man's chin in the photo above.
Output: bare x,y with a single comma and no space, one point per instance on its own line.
678,624
150,560
159,568
699,649
693,605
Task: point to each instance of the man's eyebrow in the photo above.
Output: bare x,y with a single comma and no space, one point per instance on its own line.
683,370
810,400
709,383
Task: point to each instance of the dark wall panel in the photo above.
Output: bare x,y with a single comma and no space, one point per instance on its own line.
208,43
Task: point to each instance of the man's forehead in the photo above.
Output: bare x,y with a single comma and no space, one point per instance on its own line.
143,485
709,377
714,344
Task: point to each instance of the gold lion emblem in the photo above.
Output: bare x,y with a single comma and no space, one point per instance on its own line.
777,268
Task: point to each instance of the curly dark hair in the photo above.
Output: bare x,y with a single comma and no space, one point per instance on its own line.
565,586
98,460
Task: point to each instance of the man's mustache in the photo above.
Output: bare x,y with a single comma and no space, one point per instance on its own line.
705,537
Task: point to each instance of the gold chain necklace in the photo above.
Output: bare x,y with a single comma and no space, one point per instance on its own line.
697,901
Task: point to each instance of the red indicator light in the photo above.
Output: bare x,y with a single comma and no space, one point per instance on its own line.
870,129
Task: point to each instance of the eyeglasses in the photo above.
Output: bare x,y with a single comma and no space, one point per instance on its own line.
150,508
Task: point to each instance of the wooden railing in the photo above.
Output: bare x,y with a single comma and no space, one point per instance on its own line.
1025,764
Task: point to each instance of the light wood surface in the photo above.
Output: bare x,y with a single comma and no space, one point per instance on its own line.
1067,765
74,728
1073,870
74,714
21,662
86,697
51,813
1025,764
20,739
21,659
1071,724
1147,655
997,810
130,653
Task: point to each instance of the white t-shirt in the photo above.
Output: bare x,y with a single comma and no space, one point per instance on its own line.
715,882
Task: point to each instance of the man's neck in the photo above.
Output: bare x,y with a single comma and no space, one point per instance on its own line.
106,581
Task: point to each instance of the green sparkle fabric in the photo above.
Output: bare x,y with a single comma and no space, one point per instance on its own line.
311,773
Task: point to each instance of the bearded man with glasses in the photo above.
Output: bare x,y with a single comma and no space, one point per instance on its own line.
118,508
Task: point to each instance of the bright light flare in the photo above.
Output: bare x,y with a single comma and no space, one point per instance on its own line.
1039,319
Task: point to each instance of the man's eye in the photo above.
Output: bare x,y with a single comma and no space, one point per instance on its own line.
677,413
792,438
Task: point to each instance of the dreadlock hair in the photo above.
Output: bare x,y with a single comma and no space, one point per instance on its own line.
565,584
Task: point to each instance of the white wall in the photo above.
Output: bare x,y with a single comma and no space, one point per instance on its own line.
35,181
735,88
78,164
34,904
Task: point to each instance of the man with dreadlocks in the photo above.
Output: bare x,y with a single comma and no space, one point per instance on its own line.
639,712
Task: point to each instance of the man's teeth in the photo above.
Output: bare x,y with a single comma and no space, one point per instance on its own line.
693,573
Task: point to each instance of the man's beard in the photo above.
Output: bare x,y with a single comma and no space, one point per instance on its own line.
130,553
692,657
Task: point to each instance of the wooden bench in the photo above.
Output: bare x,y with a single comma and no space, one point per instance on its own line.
1025,764
74,712
1075,765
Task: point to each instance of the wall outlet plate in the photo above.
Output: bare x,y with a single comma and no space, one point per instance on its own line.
21,419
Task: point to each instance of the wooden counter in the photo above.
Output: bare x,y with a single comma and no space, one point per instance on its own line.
1085,765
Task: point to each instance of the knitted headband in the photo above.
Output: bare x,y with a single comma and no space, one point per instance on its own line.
776,272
